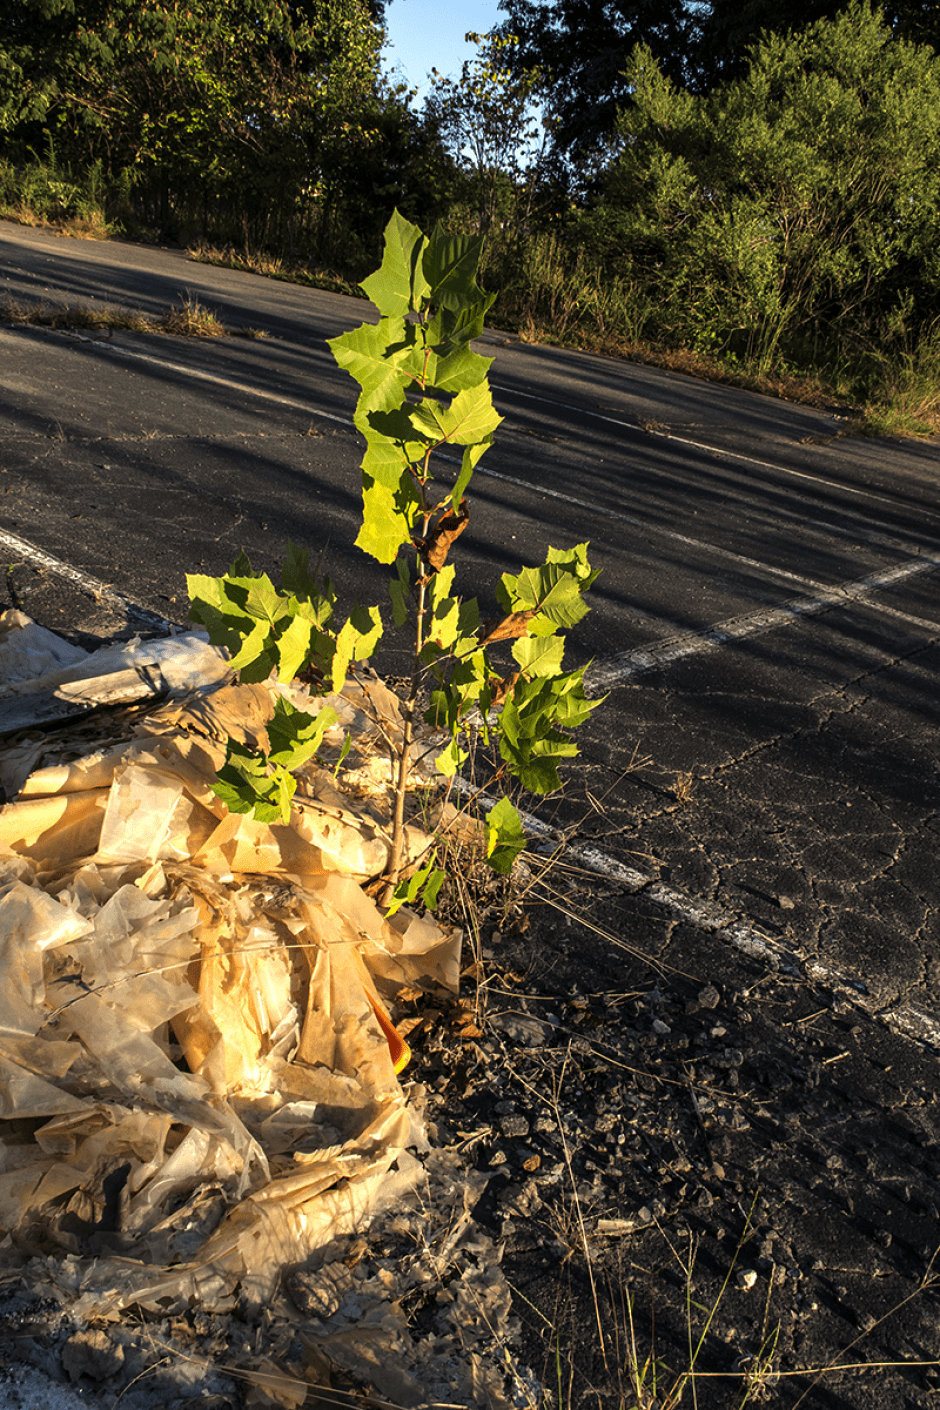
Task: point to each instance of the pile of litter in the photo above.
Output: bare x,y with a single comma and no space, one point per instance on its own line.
199,1084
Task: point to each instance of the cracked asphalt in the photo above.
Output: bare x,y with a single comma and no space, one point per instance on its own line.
767,626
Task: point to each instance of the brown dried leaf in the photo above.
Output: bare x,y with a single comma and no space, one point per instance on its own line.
407,994
435,548
516,624
503,689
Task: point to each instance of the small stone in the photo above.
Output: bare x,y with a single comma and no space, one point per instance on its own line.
497,1158
533,1163
709,997
746,1279
530,1032
513,1126
661,1028
93,1354
786,903
644,1216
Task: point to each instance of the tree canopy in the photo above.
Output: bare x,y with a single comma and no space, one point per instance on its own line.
805,192
582,48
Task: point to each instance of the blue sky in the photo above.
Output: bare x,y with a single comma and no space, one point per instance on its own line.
427,34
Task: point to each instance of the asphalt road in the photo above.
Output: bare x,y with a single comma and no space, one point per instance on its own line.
767,622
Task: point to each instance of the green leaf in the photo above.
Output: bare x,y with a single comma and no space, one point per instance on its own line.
293,647
426,883
554,589
365,354
451,759
470,417
399,285
313,599
471,458
385,529
450,267
356,641
457,370
247,784
539,656
505,838
294,735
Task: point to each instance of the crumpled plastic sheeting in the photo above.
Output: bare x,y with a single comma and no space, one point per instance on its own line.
196,1082
45,678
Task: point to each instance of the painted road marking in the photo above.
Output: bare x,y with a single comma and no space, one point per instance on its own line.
908,1018
92,586
712,450
671,534
614,670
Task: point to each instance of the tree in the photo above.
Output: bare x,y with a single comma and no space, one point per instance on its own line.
487,120
801,199
244,97
732,29
581,47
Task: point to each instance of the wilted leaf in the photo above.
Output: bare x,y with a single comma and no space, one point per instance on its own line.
435,548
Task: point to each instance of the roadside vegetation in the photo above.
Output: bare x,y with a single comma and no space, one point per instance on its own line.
753,199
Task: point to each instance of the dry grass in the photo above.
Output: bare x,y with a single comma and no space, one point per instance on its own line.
227,257
189,319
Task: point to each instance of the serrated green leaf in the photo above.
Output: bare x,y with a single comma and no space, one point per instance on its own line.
296,577
471,458
385,529
450,267
399,284
576,558
554,590
241,566
432,888
254,653
539,656
450,759
471,417
451,329
505,837
293,647
365,354
426,882
457,370
294,735
246,783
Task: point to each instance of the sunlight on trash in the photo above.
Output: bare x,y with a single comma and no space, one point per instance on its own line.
197,1045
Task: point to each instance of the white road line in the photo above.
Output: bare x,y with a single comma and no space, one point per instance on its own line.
712,450
706,915
92,586
671,534
614,670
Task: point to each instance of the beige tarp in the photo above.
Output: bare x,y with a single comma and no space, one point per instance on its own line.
197,1058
